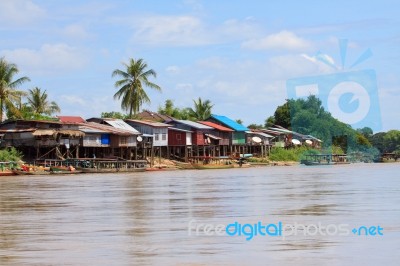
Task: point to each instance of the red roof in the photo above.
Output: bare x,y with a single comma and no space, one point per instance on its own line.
216,126
71,119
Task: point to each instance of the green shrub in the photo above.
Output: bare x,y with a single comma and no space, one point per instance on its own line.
10,154
297,153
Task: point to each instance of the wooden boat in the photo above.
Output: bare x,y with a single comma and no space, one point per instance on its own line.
7,173
34,172
94,165
6,168
208,162
182,165
212,166
324,159
64,170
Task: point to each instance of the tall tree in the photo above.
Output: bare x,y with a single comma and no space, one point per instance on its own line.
39,104
202,109
9,94
282,115
131,86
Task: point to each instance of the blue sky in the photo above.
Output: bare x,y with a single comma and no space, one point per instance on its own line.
238,54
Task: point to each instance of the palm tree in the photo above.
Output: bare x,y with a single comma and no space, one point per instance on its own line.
39,104
202,109
8,87
131,85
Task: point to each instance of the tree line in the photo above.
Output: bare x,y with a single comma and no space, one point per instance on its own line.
36,105
308,116
305,116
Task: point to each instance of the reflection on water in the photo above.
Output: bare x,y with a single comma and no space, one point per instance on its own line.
142,218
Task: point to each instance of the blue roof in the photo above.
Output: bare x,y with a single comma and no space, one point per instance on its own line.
229,123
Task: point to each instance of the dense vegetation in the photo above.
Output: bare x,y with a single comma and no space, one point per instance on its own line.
10,155
37,105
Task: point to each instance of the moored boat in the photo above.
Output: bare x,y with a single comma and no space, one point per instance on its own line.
324,159
6,168
64,170
23,172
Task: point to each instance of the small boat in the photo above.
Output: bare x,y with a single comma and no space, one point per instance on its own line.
34,172
31,170
7,173
324,159
212,166
6,168
64,170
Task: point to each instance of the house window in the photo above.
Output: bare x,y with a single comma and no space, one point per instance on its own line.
123,140
178,137
164,136
156,137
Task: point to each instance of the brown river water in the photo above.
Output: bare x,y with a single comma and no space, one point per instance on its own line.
171,217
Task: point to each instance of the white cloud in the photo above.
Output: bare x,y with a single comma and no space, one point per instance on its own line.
184,86
234,29
76,31
187,30
49,58
170,30
284,40
73,99
173,70
195,5
19,12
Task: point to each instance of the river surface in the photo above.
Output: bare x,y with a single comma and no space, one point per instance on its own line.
169,217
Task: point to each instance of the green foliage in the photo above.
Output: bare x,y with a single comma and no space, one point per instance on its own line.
131,87
270,121
308,117
9,95
201,110
239,121
282,115
255,126
366,132
294,154
362,140
258,160
298,153
39,104
10,155
170,110
391,141
113,114
378,142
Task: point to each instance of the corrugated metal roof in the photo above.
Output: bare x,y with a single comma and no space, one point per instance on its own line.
119,123
216,126
229,123
213,136
92,130
193,124
148,123
109,129
71,119
260,134
284,130
17,130
273,132
178,129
